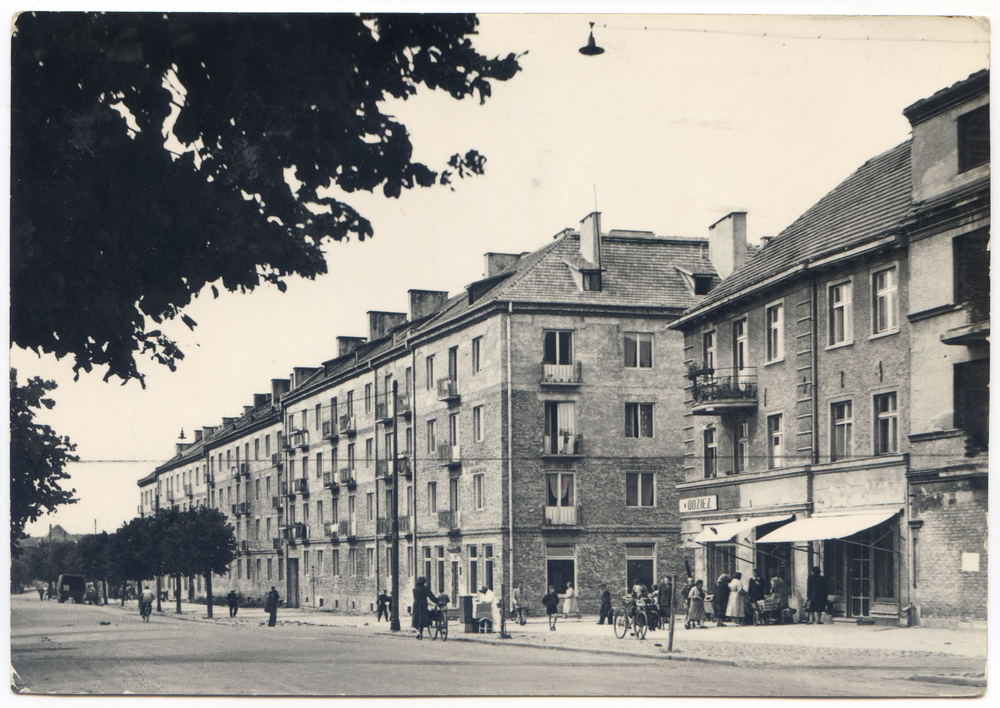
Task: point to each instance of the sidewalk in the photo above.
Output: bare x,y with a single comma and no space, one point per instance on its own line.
934,650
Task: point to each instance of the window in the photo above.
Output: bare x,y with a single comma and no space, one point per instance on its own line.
702,284
432,497
558,348
427,563
885,423
841,314
440,564
560,428
407,380
885,306
453,364
267,486
488,552
335,561
370,565
368,398
319,465
638,420
774,317
305,468
592,280
559,490
319,416
740,346
267,527
369,451
319,513
267,446
708,348
477,344
429,361
350,456
741,448
841,434
639,489
352,561
477,491
774,440
638,350
639,565
408,441
256,449
333,409
453,429
305,512
350,403
477,423
319,561
561,567
256,530
473,569
268,568
708,437
431,438
334,511
974,138
453,498
370,501
305,425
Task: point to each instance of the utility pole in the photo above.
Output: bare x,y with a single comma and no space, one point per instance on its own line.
394,610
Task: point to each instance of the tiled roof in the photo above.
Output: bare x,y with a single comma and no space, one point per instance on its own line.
867,205
948,97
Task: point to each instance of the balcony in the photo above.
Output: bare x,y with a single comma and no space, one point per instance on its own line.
384,526
276,460
330,429
300,439
562,374
300,532
349,531
234,472
403,406
564,445
278,544
448,390
210,478
383,413
347,424
383,470
347,478
245,469
330,481
330,531
719,391
301,486
285,491
449,455
405,468
189,490
244,545
276,503
450,520
233,508
562,516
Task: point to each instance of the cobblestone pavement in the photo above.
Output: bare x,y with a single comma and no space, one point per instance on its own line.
950,651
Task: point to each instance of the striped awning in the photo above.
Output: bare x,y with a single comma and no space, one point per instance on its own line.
720,533
821,528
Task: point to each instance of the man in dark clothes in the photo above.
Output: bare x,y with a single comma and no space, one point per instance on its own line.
664,599
756,590
383,606
816,593
234,603
721,598
606,610
271,606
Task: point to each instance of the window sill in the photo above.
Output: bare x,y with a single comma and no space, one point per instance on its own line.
774,361
839,345
652,506
887,333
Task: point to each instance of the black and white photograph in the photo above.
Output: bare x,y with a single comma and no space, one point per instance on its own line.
532,352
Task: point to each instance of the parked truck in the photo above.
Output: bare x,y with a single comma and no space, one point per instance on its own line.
72,587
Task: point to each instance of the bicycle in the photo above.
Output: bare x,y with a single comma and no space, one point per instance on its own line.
627,622
145,610
439,623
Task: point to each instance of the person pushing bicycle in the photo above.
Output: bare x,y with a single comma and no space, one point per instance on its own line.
146,598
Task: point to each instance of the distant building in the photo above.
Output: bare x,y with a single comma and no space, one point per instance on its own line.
535,427
56,534
838,383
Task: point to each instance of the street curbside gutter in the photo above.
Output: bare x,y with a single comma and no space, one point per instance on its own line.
504,643
950,680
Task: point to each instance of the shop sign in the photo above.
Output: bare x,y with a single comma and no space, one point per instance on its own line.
709,503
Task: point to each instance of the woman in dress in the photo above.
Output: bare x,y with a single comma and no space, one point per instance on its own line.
696,606
570,604
735,608
421,617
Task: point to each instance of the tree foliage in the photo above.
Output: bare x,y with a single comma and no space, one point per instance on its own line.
111,231
38,458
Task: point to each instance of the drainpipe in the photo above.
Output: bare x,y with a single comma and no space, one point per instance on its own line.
814,390
510,458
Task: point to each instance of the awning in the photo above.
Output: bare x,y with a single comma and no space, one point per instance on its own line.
721,533
820,528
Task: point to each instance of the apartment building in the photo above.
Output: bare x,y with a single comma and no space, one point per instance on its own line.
836,395
534,431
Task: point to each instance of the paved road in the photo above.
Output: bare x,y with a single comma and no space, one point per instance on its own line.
63,649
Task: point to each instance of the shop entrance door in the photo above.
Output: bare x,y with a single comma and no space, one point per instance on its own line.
859,588
454,583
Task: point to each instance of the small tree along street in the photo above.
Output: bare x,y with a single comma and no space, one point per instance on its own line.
152,157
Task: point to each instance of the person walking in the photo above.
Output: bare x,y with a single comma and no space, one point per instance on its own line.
234,603
664,599
696,606
570,604
520,604
383,601
779,598
271,606
720,600
736,607
551,602
756,591
41,594
606,611
817,590
421,617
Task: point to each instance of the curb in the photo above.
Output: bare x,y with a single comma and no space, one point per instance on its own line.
951,680
500,642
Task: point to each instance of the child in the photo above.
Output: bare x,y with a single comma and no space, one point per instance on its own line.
551,602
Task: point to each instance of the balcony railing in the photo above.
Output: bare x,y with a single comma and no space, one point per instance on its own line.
234,472
301,486
562,374
276,460
278,544
383,412
384,525
447,390
210,478
276,503
189,490
245,469
348,530
300,438
330,480
718,390
449,455
244,545
300,532
330,429
405,468
347,477
563,444
562,516
403,407
451,520
347,424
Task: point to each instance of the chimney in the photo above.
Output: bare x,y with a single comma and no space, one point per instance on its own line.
301,373
346,345
247,410
590,238
764,240
279,387
426,302
727,243
197,436
226,422
261,399
208,430
181,447
379,323
499,262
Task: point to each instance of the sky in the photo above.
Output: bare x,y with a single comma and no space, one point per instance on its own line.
682,120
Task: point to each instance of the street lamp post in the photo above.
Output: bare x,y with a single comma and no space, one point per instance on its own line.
394,610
